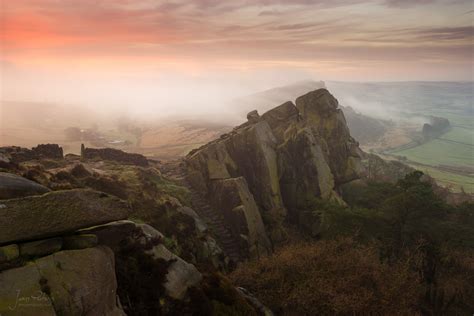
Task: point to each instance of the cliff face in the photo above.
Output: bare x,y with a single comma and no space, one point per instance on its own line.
288,156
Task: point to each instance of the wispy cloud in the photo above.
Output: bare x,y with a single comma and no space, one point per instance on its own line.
304,32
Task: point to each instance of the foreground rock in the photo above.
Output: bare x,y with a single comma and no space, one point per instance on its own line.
73,282
57,213
13,186
180,275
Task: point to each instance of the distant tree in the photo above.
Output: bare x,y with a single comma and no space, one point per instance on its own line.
413,214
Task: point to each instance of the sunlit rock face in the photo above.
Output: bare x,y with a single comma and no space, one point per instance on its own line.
287,156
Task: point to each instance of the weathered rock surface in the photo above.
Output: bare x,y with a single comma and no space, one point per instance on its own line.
41,247
21,293
287,156
73,282
200,225
320,111
242,215
8,253
13,186
56,213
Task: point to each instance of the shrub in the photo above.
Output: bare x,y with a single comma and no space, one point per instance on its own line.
140,278
331,277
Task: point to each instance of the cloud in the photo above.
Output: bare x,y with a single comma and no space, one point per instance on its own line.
242,32
408,3
447,33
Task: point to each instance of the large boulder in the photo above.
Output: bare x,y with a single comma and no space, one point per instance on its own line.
57,213
13,186
73,282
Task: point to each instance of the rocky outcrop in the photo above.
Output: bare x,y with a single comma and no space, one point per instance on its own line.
52,253
57,213
13,186
51,151
17,155
114,155
287,156
14,154
73,282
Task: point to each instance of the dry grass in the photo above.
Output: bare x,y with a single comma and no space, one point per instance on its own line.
331,277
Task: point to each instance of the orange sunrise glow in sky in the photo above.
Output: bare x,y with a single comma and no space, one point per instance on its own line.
236,45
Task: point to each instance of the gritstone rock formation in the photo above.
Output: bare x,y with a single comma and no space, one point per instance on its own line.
283,158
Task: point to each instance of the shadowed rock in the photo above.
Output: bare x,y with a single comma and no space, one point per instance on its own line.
41,247
242,216
13,186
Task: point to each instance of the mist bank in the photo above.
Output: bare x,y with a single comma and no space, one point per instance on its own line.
173,116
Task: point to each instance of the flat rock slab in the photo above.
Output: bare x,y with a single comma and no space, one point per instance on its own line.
57,213
13,186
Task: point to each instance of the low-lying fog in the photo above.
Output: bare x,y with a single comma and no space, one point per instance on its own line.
38,107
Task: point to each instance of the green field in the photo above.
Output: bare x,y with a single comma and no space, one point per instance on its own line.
454,148
449,179
415,102
441,151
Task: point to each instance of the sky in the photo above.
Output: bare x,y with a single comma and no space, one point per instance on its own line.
127,52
